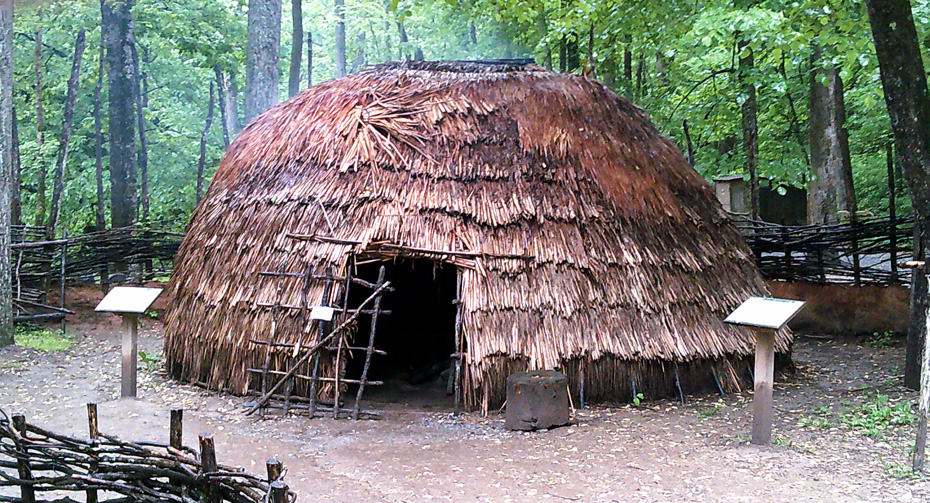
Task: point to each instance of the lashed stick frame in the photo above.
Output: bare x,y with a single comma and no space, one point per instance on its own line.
765,316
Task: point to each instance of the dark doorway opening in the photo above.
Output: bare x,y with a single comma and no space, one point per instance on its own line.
418,336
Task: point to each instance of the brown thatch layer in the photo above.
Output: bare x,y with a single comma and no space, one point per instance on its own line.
630,258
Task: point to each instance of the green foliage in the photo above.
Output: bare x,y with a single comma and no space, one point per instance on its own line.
901,471
710,411
881,340
150,361
42,339
638,399
821,418
876,415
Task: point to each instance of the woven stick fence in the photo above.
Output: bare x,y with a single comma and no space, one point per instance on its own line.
104,468
866,252
145,252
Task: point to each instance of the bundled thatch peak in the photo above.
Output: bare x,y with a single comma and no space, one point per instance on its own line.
594,246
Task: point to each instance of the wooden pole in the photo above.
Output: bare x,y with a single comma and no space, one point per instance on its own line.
923,405
275,468
174,433
25,472
764,381
279,492
208,466
93,433
130,331
892,238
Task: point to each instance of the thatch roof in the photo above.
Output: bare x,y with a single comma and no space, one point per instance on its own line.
623,252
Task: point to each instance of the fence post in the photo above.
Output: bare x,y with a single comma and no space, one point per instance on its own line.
22,454
207,467
93,433
278,492
174,433
857,268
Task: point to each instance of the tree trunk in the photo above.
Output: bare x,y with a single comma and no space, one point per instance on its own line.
203,145
628,66
16,210
6,148
794,125
905,86
402,35
117,24
340,49
749,126
229,101
831,185
309,59
359,62
261,57
640,71
297,46
54,214
143,147
40,133
690,145
101,210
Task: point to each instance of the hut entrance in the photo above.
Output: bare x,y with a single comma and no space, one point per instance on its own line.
418,336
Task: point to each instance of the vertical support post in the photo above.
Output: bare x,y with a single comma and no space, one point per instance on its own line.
64,254
25,472
320,333
892,220
337,368
278,492
175,440
93,432
764,381
857,266
130,333
275,468
459,315
370,350
923,404
208,466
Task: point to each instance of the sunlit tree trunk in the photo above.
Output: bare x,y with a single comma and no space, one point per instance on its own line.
6,182
54,214
143,147
340,42
831,185
261,57
309,59
229,104
117,32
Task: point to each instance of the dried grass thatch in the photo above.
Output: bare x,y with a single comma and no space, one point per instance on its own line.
595,245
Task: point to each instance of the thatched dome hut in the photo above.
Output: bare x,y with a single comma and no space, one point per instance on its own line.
576,236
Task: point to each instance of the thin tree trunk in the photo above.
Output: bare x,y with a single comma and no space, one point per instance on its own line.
203,146
795,124
831,184
628,66
229,99
640,71
117,33
54,214
6,147
359,61
592,67
143,148
309,59
402,48
749,126
261,57
340,48
40,132
17,190
905,86
690,145
297,45
100,212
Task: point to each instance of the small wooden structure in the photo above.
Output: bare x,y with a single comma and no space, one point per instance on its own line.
537,400
129,302
766,316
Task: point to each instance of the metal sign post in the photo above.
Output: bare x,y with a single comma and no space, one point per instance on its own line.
129,303
766,316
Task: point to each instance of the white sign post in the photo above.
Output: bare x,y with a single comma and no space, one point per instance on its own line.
129,302
766,316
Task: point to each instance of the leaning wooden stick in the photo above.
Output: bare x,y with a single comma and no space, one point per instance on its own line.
313,349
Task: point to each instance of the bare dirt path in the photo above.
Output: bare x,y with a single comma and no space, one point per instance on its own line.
657,452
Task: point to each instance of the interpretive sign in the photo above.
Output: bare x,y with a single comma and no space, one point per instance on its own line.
765,312
129,302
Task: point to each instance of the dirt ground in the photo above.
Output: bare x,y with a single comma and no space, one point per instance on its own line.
657,452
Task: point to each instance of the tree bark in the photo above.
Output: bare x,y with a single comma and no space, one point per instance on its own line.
16,210
116,25
794,125
340,48
402,52
101,209
203,145
749,125
309,59
40,132
143,147
261,54
690,145
905,86
297,46
54,214
6,149
628,66
831,185
229,100
359,61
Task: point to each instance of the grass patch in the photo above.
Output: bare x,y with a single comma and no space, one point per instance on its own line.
819,419
874,417
709,411
42,339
